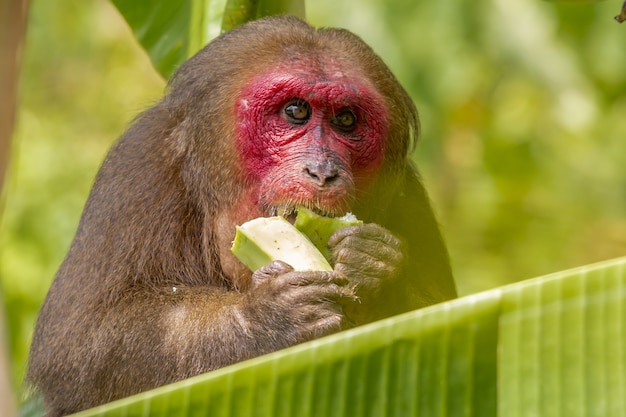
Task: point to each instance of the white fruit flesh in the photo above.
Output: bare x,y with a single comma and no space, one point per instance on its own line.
265,239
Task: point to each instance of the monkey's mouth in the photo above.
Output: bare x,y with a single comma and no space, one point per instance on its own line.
290,212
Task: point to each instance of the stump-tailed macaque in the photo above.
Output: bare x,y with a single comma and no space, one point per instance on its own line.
269,117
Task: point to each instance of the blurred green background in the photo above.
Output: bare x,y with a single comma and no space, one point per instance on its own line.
523,109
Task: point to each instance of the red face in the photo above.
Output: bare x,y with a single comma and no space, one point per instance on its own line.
309,134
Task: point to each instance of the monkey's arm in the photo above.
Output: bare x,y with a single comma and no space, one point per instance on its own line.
153,336
204,329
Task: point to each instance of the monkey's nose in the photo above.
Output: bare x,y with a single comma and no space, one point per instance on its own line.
322,172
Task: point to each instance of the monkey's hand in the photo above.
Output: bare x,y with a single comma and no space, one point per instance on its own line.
369,256
296,305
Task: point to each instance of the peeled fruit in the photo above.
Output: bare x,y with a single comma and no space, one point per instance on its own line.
265,239
303,245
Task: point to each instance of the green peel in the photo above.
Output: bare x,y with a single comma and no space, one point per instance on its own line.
319,228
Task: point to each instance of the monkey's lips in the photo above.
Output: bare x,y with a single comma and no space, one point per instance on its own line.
291,212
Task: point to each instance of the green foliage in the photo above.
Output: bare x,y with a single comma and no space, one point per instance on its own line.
238,12
163,29
546,347
172,31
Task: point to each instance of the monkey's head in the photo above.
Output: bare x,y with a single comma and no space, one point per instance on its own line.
302,117
310,132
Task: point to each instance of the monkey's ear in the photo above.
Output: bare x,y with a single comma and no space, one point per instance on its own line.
179,137
411,217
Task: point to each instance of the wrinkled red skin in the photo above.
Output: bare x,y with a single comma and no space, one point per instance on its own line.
274,151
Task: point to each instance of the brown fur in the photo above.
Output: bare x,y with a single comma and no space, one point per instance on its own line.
149,292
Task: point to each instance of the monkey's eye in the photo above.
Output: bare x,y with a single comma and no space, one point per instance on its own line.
297,111
345,120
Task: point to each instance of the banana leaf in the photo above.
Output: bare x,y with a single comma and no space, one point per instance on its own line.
172,31
550,346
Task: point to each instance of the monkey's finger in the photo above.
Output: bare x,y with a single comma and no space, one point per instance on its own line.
353,246
271,270
316,293
305,278
299,297
353,263
369,231
325,324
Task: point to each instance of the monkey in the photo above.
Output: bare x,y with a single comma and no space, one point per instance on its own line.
271,116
